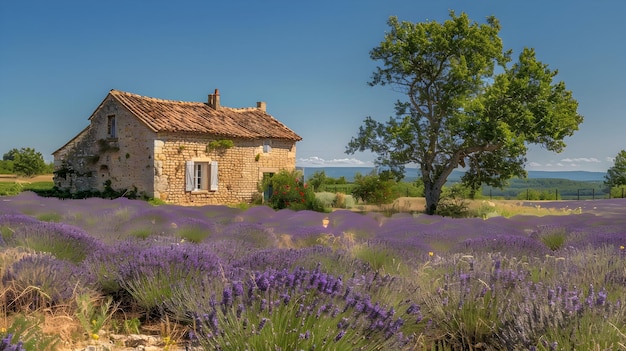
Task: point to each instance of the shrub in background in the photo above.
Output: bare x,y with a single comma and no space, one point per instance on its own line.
327,199
406,189
288,191
318,181
373,189
618,192
453,203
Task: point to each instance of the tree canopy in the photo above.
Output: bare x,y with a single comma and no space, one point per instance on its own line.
10,155
467,104
26,161
616,175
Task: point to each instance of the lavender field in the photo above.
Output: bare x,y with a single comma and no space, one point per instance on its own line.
221,278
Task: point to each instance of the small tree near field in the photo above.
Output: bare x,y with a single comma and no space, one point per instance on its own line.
28,162
616,175
318,181
373,188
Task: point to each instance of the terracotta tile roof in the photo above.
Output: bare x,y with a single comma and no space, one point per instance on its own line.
198,117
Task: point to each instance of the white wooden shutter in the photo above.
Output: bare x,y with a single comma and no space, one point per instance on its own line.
213,185
189,176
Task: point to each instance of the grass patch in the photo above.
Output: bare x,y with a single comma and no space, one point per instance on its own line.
10,189
156,202
142,233
553,237
193,234
49,217
38,186
14,188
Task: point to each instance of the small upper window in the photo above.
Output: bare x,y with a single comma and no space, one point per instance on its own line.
267,147
111,127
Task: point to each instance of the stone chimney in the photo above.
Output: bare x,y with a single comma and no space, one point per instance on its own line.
214,100
261,105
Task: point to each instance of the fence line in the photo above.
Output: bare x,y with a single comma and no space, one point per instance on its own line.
554,193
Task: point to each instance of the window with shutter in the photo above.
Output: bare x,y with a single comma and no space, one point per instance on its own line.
189,179
201,176
214,179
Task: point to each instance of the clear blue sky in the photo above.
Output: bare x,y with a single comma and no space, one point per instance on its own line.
309,60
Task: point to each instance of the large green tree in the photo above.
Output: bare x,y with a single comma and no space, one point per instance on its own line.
616,175
467,104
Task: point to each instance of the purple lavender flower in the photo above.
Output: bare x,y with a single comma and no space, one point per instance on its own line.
343,323
7,345
413,308
214,322
263,282
285,297
240,310
394,327
262,324
601,300
227,296
464,278
237,288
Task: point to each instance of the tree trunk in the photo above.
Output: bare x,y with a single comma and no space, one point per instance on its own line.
432,192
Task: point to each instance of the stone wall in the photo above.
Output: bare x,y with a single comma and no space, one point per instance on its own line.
94,157
240,168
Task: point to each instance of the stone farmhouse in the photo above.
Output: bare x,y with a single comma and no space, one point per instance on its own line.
187,153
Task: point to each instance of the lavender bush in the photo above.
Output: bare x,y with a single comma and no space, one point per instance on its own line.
154,271
63,241
40,280
299,310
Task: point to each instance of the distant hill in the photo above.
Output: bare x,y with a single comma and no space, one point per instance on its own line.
412,174
583,176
